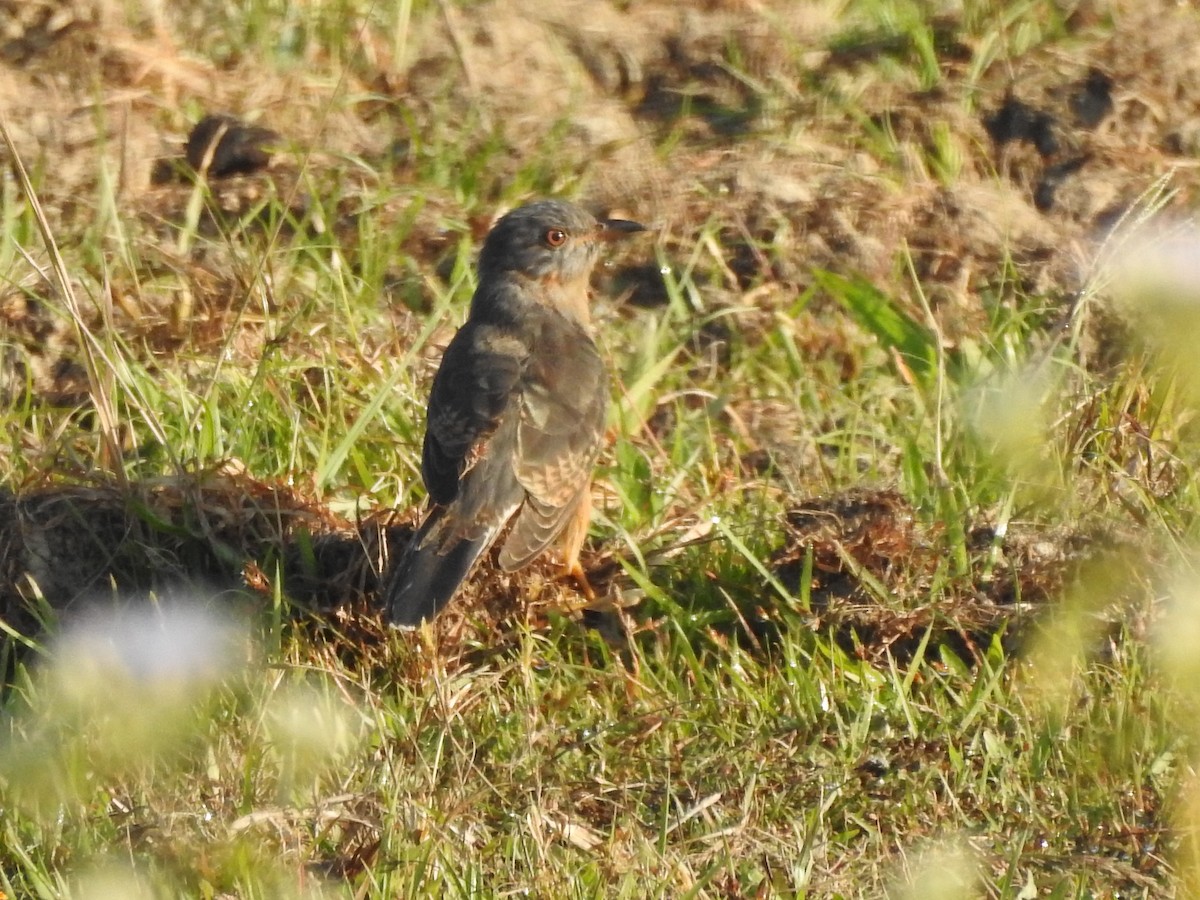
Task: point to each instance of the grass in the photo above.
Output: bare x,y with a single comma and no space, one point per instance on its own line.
908,573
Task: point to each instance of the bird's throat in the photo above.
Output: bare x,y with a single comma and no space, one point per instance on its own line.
568,298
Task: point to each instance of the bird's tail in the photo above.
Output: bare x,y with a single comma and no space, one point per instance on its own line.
428,572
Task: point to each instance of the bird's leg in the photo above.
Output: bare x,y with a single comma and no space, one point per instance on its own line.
572,542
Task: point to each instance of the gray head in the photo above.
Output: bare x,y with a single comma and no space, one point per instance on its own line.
548,239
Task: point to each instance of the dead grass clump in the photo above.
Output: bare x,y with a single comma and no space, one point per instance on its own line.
882,576
69,545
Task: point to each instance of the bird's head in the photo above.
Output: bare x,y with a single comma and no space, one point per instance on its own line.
549,240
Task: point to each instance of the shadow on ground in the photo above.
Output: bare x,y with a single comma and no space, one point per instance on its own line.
64,548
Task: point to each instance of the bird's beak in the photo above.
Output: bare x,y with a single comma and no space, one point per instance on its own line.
612,229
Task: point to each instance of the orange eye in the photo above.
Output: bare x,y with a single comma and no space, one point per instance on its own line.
556,237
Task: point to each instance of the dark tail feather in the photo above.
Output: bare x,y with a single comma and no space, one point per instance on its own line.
423,580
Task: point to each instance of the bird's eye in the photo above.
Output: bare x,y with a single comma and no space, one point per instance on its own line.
556,237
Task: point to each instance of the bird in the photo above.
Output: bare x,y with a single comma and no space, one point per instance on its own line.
516,413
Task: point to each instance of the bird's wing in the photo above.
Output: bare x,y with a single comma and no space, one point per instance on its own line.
472,430
563,402
470,442
474,387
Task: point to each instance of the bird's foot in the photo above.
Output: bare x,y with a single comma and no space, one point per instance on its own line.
575,571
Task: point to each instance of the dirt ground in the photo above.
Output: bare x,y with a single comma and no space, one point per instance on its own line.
1077,138
1015,164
